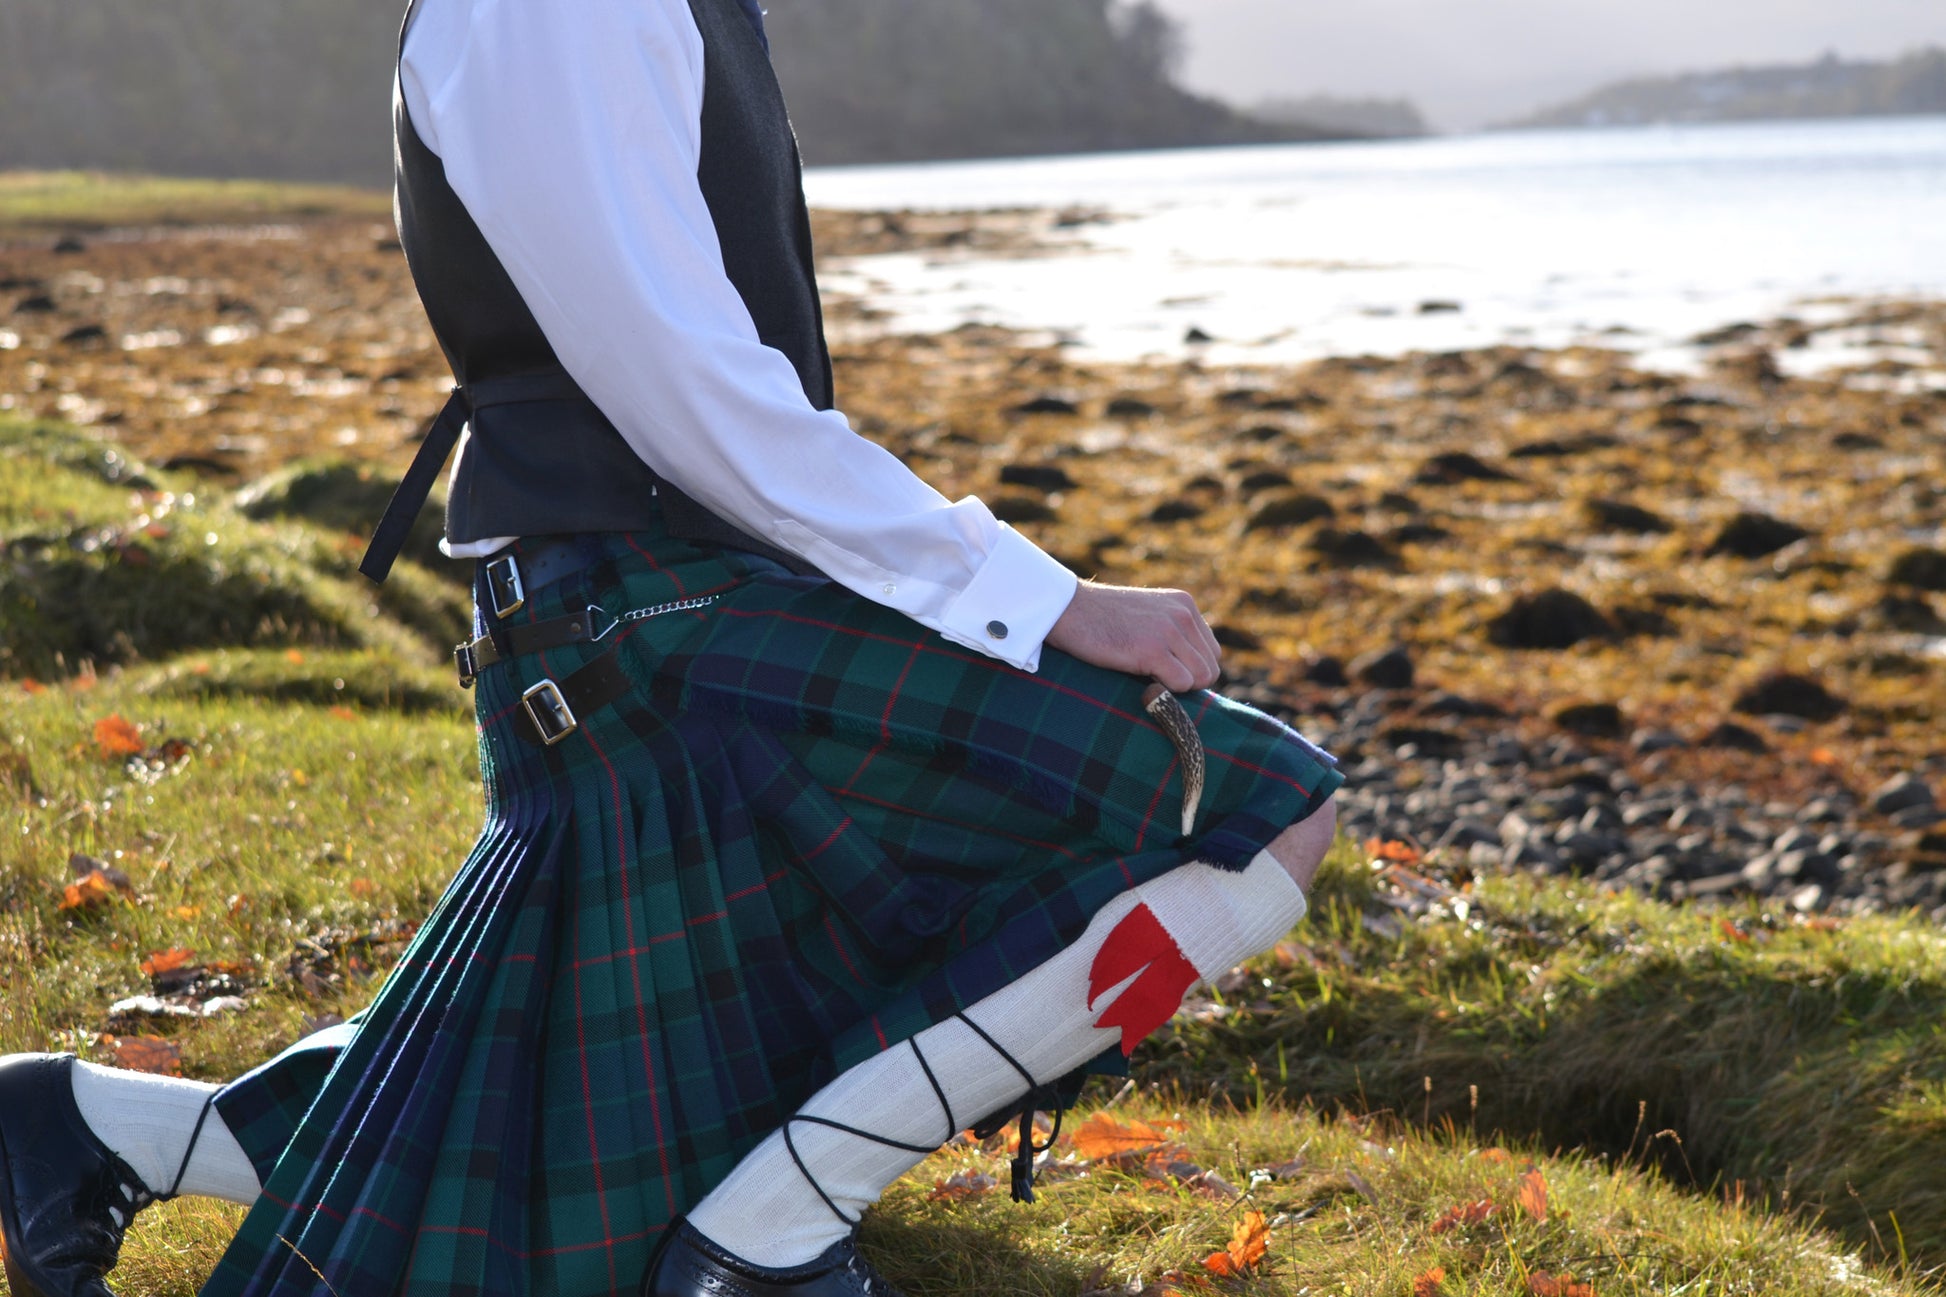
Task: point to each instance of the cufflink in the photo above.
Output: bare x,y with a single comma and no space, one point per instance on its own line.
997,629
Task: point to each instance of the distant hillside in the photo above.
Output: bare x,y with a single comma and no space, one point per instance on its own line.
1831,87
1374,118
298,89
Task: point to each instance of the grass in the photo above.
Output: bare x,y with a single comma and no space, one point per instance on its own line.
32,201
305,788
1802,1061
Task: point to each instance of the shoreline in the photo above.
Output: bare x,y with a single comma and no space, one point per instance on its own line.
1707,552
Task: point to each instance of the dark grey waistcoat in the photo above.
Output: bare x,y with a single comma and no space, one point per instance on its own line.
542,458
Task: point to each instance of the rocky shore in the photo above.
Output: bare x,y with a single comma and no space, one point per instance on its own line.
1680,632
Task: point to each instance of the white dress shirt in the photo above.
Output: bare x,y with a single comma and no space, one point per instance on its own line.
572,132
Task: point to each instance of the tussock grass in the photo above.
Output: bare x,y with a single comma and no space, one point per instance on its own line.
90,200
110,562
1803,1061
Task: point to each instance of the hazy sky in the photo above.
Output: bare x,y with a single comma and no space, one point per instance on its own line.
1466,62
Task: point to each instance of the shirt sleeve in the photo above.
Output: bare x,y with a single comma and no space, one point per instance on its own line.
572,133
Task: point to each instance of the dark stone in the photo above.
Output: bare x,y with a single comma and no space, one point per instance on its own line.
1261,433
1735,737
85,335
1631,621
1385,668
1646,742
1922,567
1398,502
1240,398
1235,637
1176,511
1021,508
1425,740
1037,477
1264,479
1439,307
1552,619
1596,720
1857,441
1619,515
204,464
1915,615
1446,703
1129,407
1679,426
1419,533
69,244
1563,448
38,304
1327,671
1352,549
1459,466
1755,535
1902,793
1783,693
1196,337
1289,511
1047,405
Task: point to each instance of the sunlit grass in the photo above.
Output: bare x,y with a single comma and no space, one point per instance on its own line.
87,200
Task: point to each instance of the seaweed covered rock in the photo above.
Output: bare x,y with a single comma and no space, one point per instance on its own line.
1755,535
1549,619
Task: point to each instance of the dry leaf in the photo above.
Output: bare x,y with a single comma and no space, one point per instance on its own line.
344,713
117,737
1730,931
187,912
87,893
1393,852
31,687
1530,1195
150,1054
1495,1155
361,887
1428,1283
1542,1284
962,1187
294,656
1102,1136
166,961
1363,1186
1467,1213
1248,1243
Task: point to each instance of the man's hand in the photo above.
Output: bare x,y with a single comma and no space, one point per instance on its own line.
1158,633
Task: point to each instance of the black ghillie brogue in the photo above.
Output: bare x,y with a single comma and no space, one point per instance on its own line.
689,1265
65,1199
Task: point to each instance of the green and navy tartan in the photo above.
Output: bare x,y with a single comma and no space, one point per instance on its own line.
816,829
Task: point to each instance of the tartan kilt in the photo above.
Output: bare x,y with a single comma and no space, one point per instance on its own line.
814,829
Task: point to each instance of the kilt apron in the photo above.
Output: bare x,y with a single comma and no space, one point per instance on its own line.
812,830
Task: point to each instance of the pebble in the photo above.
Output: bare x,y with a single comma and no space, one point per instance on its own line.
1903,793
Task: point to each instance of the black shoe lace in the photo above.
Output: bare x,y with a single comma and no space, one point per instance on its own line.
1023,1165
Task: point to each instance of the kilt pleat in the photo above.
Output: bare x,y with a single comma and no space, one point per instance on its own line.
812,831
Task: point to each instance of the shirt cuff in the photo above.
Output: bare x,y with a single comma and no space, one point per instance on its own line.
1012,602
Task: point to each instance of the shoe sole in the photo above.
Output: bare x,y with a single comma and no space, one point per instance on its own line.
9,1226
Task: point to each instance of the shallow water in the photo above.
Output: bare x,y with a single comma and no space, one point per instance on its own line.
1636,238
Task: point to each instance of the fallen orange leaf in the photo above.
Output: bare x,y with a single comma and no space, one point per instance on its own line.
166,961
87,892
1531,1194
1248,1243
1495,1155
116,737
150,1054
294,656
962,1187
1102,1136
1543,1284
344,713
1393,852
1428,1283
31,687
1730,931
1467,1213
361,887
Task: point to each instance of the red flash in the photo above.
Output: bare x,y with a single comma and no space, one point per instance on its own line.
1139,942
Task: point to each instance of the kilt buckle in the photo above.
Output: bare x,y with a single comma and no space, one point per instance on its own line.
548,711
504,589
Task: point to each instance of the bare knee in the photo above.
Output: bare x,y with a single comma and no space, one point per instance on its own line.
1301,848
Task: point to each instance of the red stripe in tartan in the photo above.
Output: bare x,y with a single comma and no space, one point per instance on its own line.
831,930
1055,847
1259,770
588,1105
764,886
701,919
623,855
320,1209
1148,816
657,568
884,721
880,1033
